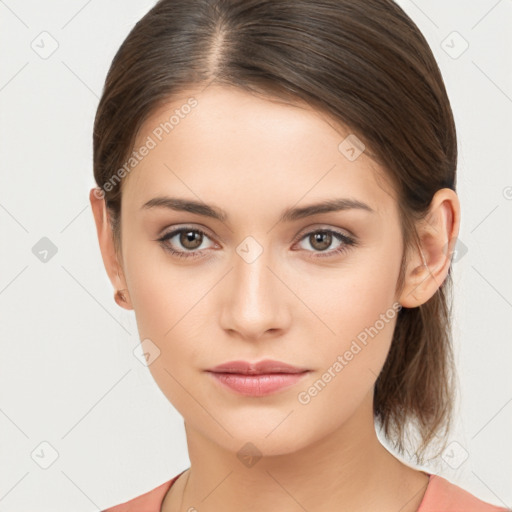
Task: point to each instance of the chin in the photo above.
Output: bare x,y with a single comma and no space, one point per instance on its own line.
259,438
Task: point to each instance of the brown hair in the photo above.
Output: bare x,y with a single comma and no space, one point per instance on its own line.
366,65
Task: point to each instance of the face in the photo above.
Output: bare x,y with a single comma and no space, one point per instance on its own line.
314,291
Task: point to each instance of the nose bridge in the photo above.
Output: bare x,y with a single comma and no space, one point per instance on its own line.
255,303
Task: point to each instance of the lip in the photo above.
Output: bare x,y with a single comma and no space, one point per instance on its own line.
265,366
257,379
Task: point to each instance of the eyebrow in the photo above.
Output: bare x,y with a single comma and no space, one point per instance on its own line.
289,215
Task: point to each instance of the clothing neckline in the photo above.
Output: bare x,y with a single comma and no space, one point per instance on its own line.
419,509
439,492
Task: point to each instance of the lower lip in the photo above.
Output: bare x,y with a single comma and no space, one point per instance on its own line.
258,385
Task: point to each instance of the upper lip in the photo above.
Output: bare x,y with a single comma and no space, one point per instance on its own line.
261,367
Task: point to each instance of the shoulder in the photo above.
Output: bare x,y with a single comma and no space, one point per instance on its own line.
443,496
150,501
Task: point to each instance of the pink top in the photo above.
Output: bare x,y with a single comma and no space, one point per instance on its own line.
440,496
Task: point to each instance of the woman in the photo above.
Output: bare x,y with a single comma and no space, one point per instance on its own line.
277,204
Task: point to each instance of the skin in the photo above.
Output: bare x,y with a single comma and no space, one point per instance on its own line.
254,157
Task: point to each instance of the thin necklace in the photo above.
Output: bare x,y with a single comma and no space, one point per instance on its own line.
183,493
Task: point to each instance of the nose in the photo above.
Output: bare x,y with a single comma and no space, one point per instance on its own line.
256,302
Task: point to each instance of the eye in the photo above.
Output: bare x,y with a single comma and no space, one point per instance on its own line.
189,238
322,239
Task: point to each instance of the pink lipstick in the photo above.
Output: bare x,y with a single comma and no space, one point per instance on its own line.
257,379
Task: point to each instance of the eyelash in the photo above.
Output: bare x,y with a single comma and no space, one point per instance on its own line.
348,242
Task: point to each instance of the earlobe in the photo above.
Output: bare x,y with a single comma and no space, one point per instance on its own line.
429,263
122,299
108,253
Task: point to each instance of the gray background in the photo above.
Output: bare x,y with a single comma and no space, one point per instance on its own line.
71,388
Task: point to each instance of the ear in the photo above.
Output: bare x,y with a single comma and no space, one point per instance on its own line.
106,241
428,265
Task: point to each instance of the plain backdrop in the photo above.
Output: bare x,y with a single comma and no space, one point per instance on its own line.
83,425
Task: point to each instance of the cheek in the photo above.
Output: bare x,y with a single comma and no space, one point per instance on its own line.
359,306
168,303
351,360
161,292
167,310
355,296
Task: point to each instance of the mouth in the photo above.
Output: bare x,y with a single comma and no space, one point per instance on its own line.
264,367
257,379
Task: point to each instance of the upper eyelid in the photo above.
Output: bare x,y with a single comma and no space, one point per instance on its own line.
310,229
174,230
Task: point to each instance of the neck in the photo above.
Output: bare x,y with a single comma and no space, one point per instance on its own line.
346,470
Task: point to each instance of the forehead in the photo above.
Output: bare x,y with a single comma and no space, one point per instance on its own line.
230,141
